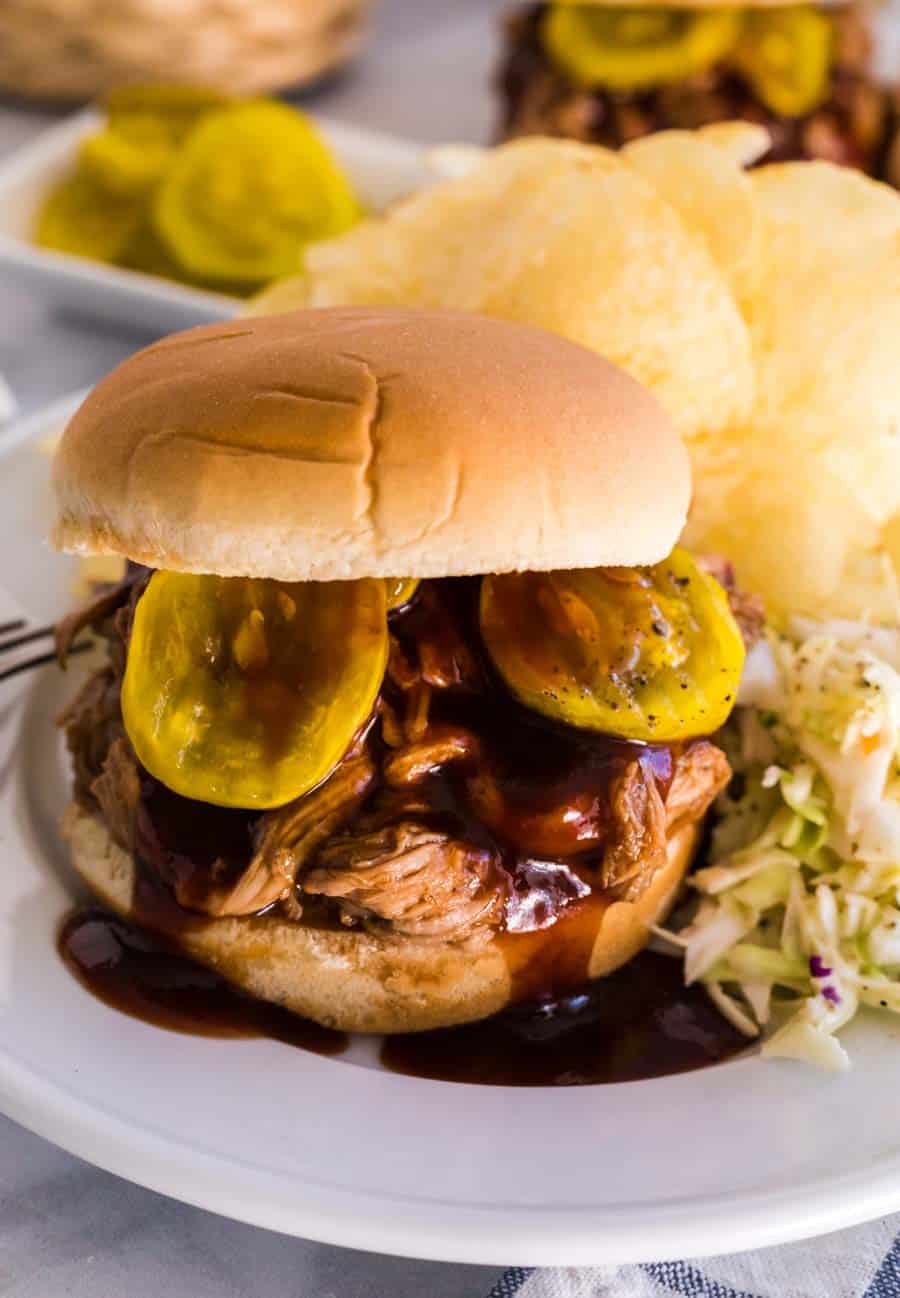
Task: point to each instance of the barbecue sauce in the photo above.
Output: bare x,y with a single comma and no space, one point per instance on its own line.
126,968
637,1023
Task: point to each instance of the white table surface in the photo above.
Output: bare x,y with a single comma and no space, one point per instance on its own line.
66,1229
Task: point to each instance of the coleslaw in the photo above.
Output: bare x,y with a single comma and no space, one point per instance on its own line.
797,921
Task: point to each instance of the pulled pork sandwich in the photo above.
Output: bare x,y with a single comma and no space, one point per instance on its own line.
608,74
405,703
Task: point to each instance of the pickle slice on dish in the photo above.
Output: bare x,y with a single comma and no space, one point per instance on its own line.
123,167
785,55
145,125
650,654
629,48
245,692
250,187
82,218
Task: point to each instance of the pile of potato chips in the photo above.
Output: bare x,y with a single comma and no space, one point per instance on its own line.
762,308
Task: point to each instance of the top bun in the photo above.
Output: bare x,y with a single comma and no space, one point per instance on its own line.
367,442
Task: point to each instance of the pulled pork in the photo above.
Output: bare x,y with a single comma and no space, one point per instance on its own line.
93,723
747,608
421,830
416,881
637,843
117,791
286,839
642,819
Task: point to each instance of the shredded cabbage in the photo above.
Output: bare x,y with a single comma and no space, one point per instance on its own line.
797,921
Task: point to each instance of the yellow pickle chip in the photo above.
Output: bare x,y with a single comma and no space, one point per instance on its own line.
630,47
251,187
785,54
81,218
400,591
643,653
245,692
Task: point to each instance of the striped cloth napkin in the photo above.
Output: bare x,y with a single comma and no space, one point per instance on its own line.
860,1263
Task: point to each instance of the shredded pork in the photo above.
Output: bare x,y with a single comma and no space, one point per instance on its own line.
418,882
117,790
286,839
366,841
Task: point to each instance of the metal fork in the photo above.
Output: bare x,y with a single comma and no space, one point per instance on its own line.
14,634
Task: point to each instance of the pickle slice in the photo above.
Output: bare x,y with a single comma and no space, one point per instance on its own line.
247,693
629,48
145,125
400,591
80,217
644,653
160,101
785,55
123,167
251,186
147,252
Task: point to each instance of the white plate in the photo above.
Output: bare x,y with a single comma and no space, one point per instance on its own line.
382,169
730,1157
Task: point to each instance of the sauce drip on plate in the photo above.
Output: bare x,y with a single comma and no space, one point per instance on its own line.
637,1023
132,972
640,1022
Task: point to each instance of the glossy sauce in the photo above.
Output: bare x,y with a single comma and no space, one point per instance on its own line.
132,972
637,1023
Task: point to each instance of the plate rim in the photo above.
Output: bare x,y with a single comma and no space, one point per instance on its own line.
490,1235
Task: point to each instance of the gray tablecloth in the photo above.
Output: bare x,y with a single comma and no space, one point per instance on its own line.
65,1228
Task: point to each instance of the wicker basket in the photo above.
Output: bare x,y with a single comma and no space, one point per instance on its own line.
76,49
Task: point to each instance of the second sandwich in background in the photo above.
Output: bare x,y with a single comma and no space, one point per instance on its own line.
608,74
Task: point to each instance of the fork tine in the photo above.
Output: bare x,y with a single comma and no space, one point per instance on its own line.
16,625
30,663
29,637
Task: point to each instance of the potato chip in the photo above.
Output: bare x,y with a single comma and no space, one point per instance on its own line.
806,498
817,210
567,237
709,191
743,142
450,161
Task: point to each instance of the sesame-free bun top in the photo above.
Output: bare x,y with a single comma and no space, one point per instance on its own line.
353,442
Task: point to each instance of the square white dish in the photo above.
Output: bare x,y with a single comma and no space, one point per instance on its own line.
381,167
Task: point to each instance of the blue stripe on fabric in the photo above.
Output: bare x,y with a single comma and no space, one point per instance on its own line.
511,1282
886,1283
691,1283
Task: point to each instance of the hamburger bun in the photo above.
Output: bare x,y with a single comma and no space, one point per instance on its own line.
364,442
357,981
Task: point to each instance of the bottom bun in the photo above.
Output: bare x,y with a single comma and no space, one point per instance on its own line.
357,981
